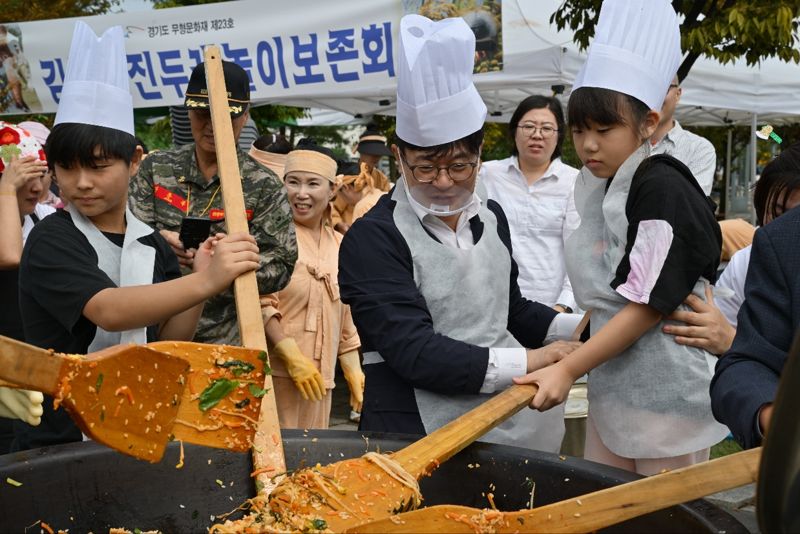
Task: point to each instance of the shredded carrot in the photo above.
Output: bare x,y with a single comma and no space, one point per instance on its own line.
180,458
47,527
190,383
232,425
125,390
262,470
360,474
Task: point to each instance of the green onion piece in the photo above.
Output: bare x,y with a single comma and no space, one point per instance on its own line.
13,482
256,391
263,358
237,367
215,392
98,383
319,524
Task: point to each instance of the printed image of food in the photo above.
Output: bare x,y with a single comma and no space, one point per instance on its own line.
485,20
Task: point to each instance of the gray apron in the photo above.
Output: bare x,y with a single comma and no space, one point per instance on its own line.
467,294
651,400
131,265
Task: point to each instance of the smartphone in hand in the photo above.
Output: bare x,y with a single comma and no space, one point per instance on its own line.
194,230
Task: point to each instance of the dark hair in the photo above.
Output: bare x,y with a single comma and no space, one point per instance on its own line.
275,143
85,144
348,168
308,143
779,179
472,143
141,144
538,102
605,107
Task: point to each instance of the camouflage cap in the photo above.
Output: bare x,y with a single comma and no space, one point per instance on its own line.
236,83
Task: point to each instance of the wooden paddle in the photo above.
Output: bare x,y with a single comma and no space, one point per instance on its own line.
586,513
268,447
354,491
108,393
134,399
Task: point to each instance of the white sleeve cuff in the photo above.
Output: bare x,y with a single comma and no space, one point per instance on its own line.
504,364
563,327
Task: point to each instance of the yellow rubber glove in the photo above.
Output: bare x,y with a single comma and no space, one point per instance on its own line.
21,404
351,366
305,374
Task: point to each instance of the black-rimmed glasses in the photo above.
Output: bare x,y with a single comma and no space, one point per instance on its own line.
457,172
529,130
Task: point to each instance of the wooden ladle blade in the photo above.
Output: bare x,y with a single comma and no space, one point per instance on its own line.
135,399
125,397
354,491
586,513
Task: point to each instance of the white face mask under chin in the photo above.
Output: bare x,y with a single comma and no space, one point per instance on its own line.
463,201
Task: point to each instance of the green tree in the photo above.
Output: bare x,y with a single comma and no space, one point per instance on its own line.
721,29
27,10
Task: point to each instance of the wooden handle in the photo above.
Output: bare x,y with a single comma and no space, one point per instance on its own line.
425,455
620,503
268,445
29,367
593,511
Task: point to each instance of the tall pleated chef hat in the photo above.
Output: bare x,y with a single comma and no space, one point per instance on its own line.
636,50
96,89
436,100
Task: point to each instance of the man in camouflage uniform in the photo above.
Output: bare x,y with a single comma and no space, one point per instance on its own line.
183,182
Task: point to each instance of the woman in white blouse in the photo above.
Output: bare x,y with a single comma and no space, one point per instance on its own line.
535,190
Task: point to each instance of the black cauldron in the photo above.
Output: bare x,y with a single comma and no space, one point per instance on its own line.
85,487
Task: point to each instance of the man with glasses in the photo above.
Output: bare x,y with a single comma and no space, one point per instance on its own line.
694,151
428,272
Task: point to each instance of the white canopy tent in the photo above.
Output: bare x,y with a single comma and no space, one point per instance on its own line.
537,57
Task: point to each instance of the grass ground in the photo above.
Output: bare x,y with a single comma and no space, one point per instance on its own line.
724,448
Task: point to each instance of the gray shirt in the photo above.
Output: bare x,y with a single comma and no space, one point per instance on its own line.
694,151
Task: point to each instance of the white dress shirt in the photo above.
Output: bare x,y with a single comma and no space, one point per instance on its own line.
504,362
729,291
694,151
41,211
541,217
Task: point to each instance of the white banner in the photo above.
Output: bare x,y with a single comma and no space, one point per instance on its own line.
290,49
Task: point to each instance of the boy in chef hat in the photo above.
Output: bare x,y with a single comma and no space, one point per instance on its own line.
93,275
428,272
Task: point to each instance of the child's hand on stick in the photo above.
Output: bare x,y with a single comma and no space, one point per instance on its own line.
554,383
222,258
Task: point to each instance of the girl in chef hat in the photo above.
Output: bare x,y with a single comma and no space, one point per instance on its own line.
648,238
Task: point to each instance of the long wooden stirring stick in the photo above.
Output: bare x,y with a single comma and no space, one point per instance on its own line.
267,447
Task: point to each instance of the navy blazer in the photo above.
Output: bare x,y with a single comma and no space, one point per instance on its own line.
747,376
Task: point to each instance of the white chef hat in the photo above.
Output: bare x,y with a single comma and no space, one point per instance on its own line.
636,50
437,102
96,89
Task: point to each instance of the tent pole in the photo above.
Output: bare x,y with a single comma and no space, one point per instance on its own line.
728,185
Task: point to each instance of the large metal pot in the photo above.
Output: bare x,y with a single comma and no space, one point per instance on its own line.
85,487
